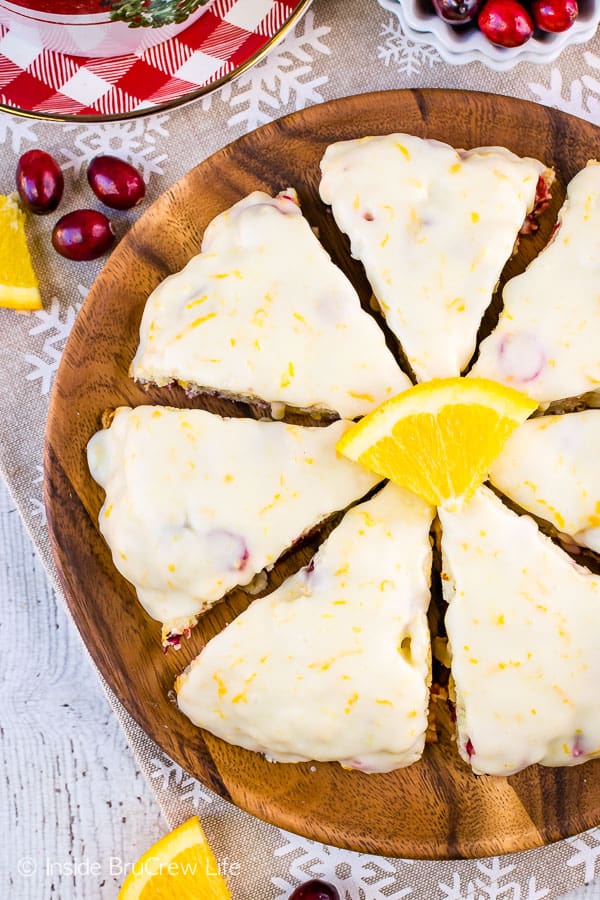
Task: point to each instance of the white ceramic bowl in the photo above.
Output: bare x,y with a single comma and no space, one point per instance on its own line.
458,46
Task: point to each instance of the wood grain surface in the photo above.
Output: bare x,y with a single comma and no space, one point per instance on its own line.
436,808
71,793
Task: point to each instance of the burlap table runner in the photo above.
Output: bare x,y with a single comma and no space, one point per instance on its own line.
340,47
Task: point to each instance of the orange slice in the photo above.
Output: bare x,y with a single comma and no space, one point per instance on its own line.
181,866
18,284
438,439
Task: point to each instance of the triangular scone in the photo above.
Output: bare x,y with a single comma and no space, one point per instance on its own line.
524,629
335,664
551,467
262,312
547,342
433,227
197,504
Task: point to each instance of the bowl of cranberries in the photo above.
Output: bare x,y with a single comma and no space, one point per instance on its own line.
498,33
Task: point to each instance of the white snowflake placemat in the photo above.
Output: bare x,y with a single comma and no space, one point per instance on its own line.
340,47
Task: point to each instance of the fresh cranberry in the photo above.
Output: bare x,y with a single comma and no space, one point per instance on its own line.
456,12
315,890
554,15
115,182
83,235
40,182
505,22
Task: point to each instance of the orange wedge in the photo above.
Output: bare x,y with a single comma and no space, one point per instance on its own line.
18,284
181,866
438,439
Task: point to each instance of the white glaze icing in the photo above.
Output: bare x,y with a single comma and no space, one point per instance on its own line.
433,227
263,312
548,336
334,664
551,467
524,628
197,504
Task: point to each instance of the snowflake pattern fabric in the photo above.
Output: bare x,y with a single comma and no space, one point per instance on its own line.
17,133
138,141
408,57
355,875
284,77
587,854
492,882
53,326
37,508
169,776
580,98
338,47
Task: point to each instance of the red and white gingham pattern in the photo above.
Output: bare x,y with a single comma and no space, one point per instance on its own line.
37,80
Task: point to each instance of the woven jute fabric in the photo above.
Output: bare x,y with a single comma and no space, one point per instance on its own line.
340,47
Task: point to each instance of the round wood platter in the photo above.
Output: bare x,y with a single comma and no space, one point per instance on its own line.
436,808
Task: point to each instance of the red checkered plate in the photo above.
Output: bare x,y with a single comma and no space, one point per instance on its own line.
46,84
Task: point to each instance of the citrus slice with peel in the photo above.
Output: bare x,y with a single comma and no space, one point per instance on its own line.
18,284
439,438
181,866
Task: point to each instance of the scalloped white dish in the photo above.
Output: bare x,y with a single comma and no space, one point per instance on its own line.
458,46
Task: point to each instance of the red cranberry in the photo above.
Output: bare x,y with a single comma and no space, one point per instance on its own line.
554,15
83,234
315,890
505,22
456,12
115,182
40,182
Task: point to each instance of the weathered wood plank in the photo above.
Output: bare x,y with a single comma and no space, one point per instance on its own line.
70,792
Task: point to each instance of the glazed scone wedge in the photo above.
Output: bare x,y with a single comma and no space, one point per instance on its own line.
262,312
433,227
547,339
523,626
550,466
197,504
335,664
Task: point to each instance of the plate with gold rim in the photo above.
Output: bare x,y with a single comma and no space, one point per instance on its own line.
229,38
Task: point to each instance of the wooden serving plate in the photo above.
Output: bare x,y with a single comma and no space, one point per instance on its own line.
436,808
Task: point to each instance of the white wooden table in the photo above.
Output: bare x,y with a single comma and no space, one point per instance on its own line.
74,808
71,795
